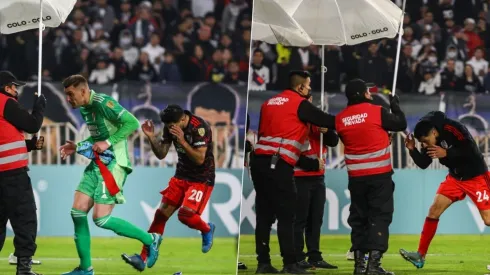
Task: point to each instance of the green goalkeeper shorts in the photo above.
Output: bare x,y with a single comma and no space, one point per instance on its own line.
92,184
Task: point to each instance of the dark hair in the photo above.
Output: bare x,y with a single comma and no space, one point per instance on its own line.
258,51
214,97
75,81
297,78
422,129
171,114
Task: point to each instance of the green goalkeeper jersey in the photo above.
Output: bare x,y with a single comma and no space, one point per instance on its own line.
107,120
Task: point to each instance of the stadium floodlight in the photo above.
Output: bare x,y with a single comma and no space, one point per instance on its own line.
332,22
21,15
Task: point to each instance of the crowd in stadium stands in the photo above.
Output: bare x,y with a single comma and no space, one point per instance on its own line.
160,40
445,46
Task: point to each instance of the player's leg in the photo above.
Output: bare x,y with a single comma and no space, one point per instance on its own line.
104,204
449,191
195,200
172,198
303,186
82,203
478,189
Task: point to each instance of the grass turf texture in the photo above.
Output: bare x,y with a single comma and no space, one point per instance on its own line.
448,254
58,255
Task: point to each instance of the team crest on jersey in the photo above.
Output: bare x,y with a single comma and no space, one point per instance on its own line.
110,104
201,131
444,144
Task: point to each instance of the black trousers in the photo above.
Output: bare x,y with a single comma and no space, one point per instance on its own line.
371,212
275,199
17,204
309,217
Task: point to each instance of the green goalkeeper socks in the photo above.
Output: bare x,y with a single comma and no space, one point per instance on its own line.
124,228
82,237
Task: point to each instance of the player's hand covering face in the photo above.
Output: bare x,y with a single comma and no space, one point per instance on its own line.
436,152
410,142
177,132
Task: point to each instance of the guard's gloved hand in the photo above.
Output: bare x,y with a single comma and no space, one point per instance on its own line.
39,102
394,103
35,143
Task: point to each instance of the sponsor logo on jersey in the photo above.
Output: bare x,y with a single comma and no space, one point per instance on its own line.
110,104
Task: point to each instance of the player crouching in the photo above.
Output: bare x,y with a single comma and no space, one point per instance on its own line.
191,187
450,142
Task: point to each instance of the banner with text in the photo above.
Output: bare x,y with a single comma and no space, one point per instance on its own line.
414,193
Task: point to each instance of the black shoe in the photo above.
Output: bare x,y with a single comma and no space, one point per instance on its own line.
242,266
294,269
24,266
266,269
304,264
359,263
374,264
322,264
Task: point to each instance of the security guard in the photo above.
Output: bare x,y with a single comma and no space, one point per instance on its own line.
363,128
282,131
309,176
16,196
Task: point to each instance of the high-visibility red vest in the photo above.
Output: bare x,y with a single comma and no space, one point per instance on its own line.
280,130
13,150
367,145
310,149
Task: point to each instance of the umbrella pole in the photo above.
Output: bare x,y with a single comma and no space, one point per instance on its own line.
398,49
40,51
322,96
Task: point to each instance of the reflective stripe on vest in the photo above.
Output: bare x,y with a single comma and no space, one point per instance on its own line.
369,160
12,152
285,147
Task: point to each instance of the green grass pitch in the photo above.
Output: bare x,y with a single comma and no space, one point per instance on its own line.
58,255
448,254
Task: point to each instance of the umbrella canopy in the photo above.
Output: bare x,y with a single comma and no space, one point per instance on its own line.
342,22
272,24
22,15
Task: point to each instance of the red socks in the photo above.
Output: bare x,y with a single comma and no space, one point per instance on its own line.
193,220
428,232
157,226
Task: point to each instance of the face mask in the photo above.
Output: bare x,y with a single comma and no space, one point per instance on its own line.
425,41
452,54
433,59
125,41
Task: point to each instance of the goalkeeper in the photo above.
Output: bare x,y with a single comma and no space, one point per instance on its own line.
103,179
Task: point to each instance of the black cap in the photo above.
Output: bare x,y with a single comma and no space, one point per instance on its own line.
357,87
7,78
303,74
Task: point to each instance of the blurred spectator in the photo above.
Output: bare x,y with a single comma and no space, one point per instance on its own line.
458,40
130,52
406,70
144,70
102,74
259,74
452,54
169,70
204,40
153,49
103,13
198,65
216,70
430,84
372,67
428,25
231,14
473,40
448,77
142,25
480,65
121,67
304,59
233,75
486,82
408,38
333,62
469,82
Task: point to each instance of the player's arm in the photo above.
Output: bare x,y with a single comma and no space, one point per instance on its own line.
161,147
200,141
394,121
308,113
127,122
463,145
421,159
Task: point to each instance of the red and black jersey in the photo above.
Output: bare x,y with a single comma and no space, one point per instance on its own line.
197,134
